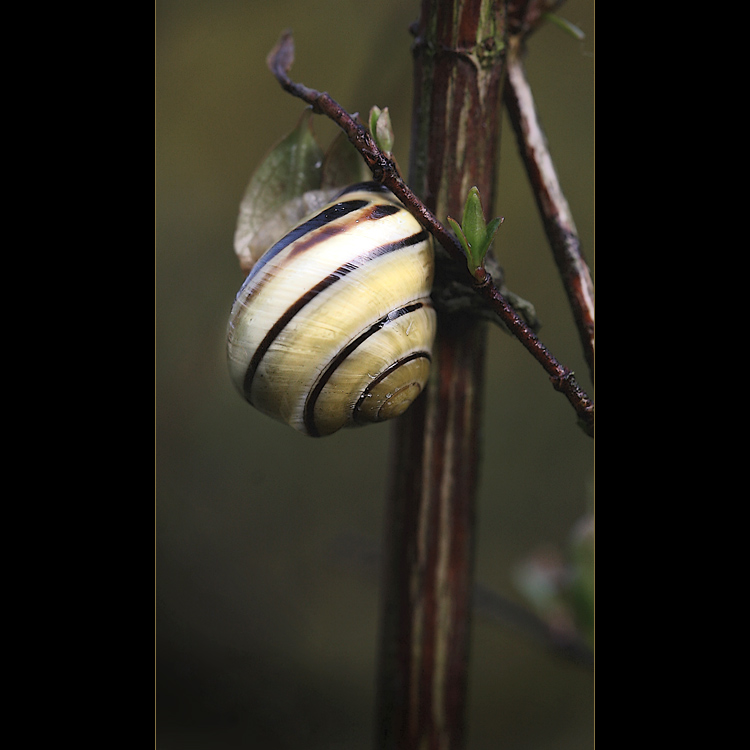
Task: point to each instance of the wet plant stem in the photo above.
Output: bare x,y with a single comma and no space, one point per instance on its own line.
435,452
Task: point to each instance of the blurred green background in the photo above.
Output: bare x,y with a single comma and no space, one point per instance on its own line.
266,594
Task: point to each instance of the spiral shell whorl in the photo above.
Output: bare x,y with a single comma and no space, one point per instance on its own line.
334,325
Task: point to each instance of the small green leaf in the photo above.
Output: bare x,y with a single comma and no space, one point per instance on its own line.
461,236
474,234
492,228
373,122
474,225
381,129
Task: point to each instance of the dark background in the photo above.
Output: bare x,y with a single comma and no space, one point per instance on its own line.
266,542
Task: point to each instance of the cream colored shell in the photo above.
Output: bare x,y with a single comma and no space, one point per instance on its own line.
334,326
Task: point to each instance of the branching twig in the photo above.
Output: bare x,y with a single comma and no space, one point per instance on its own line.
384,170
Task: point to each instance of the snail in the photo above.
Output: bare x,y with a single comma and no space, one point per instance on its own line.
333,327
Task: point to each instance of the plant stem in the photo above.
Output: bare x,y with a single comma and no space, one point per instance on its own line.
429,540
423,660
555,212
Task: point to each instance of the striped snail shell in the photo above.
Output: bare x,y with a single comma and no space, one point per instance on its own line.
333,327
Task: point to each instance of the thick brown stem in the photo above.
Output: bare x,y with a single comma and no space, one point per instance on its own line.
427,584
459,67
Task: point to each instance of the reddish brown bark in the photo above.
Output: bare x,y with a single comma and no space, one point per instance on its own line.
459,68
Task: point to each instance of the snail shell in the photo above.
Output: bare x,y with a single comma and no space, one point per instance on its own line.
334,326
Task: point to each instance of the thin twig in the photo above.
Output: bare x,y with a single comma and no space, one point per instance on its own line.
556,215
524,18
384,170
